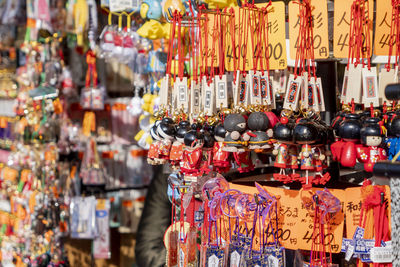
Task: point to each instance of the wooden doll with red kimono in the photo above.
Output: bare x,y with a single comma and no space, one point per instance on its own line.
207,153
345,149
176,152
371,138
166,130
153,156
221,158
192,153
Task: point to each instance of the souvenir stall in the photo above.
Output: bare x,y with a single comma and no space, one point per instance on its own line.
276,125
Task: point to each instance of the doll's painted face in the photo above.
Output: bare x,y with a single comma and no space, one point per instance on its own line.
373,140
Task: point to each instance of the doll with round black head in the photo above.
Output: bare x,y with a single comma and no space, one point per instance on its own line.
176,152
192,153
283,133
207,152
221,161
345,150
166,130
258,123
393,133
153,155
371,138
235,127
305,134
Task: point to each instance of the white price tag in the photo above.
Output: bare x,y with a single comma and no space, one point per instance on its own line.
293,93
221,89
181,87
352,85
381,254
120,5
349,252
195,98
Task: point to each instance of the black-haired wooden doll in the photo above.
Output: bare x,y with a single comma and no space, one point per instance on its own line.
176,152
305,134
221,160
192,153
283,133
371,138
235,127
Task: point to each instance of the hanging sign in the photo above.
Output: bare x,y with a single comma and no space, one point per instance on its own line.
382,27
320,28
295,224
341,27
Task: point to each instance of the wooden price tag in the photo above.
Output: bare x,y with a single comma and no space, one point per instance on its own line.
235,87
293,93
264,90
352,205
320,94
370,87
295,223
311,94
181,88
320,28
208,96
385,78
382,27
195,97
221,89
213,35
165,90
304,86
255,94
353,87
276,36
341,27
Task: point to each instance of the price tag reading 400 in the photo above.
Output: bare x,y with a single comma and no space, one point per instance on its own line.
320,28
276,36
341,27
276,39
382,27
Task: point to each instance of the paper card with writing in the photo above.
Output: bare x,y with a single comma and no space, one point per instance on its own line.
282,81
264,90
311,95
293,91
165,91
195,97
320,94
244,89
271,93
353,87
304,86
370,87
208,96
235,87
174,97
181,88
385,78
255,94
120,5
221,89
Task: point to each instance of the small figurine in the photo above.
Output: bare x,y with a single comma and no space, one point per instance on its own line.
235,125
153,156
345,150
283,135
166,131
176,152
371,138
192,154
243,161
221,160
305,134
206,161
393,134
258,123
